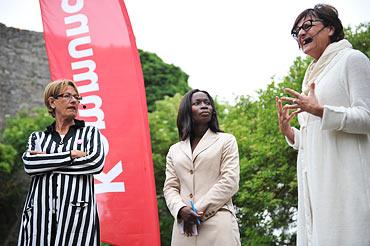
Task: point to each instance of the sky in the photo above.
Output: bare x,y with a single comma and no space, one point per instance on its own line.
227,47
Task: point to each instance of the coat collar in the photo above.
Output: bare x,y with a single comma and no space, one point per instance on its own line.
78,124
50,129
207,140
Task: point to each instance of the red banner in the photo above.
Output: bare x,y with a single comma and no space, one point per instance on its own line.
92,43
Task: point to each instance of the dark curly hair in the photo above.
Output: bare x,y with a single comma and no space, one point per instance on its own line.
327,13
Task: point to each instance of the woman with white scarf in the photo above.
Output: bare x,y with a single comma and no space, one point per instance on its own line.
333,143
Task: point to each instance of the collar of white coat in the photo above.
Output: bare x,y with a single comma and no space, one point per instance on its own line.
315,69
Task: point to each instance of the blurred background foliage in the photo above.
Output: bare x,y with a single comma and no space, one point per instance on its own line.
266,203
161,79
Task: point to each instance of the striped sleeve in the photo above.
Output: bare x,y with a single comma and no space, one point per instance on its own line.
41,163
93,162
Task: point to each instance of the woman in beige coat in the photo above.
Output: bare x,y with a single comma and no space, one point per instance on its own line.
202,169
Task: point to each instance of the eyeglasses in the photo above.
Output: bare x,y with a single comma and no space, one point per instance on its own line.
68,97
306,26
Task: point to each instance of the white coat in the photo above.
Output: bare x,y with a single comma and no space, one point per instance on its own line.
333,165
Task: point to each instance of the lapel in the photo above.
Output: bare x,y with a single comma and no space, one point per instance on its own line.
185,146
207,140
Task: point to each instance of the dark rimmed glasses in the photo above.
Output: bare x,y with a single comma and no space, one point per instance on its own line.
306,26
68,97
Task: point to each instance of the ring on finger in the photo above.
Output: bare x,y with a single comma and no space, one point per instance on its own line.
294,101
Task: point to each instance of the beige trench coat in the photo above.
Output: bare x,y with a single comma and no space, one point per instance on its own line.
209,177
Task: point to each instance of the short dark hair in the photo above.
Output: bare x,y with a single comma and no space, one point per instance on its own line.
185,118
327,13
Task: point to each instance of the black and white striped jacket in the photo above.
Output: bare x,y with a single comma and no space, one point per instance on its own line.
60,207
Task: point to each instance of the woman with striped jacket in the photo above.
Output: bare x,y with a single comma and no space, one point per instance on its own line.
60,208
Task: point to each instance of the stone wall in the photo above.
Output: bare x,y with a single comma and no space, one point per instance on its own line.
24,70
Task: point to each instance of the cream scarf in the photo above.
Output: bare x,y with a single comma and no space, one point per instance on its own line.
315,68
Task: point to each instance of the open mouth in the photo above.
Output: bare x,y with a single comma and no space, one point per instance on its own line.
307,41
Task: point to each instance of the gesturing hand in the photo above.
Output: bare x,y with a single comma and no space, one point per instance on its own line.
303,103
284,120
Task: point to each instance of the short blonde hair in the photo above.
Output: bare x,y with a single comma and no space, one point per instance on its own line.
53,89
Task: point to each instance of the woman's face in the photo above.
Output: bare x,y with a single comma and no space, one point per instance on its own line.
320,38
65,107
201,108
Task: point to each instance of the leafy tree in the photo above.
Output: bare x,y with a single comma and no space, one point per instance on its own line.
7,156
163,131
267,197
161,79
14,182
20,127
359,37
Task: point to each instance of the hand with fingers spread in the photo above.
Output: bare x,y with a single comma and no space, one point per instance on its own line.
284,120
303,103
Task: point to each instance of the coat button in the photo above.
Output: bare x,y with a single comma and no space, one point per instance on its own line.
191,195
191,172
